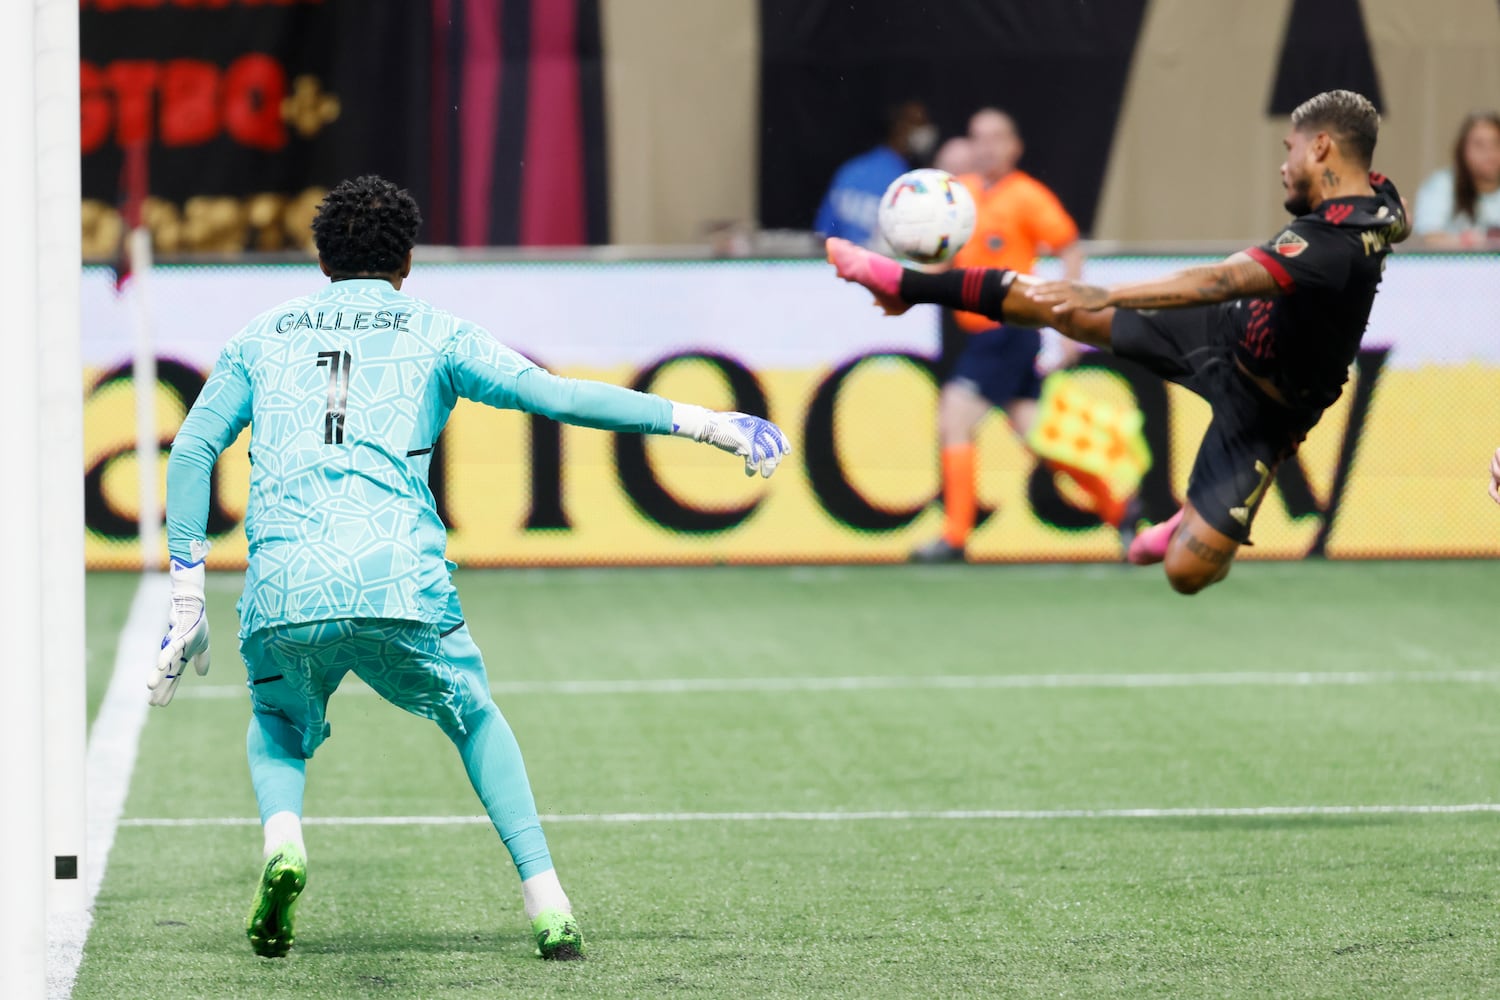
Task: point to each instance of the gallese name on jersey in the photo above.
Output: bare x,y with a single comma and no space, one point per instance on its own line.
383,319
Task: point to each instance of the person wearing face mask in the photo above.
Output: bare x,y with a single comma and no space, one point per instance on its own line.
1459,208
852,204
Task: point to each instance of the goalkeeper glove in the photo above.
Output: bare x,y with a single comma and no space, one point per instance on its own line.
186,641
759,442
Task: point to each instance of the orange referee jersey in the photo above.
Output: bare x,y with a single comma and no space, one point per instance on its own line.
1015,215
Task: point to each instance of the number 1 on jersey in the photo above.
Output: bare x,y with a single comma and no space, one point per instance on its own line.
339,365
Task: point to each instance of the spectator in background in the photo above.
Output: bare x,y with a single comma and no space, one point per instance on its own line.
852,203
1460,208
955,156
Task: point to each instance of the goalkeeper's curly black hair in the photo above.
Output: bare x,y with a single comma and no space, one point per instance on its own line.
366,226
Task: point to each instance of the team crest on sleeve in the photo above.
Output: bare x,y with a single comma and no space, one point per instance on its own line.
1289,244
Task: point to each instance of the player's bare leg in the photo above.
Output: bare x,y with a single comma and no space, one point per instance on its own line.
1196,555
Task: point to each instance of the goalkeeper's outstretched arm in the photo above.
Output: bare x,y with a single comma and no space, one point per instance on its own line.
486,371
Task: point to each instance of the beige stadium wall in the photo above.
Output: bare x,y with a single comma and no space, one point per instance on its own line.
681,92
1195,155
1438,60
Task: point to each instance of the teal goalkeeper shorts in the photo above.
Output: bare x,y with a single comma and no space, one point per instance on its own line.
424,669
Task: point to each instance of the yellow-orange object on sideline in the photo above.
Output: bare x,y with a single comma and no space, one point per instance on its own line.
1089,438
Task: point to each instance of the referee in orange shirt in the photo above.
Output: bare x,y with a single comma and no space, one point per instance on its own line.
1018,219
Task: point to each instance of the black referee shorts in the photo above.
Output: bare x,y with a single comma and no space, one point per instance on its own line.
1000,364
1250,434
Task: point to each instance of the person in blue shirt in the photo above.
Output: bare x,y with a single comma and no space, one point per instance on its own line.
850,208
345,392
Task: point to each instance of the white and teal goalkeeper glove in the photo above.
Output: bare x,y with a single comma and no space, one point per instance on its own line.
186,641
758,441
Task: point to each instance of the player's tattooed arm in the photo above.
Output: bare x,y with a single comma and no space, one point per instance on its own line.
1066,296
1236,277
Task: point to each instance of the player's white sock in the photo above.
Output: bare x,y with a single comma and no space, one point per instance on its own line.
544,892
281,827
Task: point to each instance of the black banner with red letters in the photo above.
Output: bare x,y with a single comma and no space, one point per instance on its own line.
490,111
247,109
829,71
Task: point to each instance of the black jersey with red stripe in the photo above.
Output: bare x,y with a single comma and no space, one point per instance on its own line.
1328,264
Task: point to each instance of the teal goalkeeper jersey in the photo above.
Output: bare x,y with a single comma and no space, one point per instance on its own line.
345,392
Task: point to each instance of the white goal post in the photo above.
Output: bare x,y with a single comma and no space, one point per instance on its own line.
23,941
58,255
42,733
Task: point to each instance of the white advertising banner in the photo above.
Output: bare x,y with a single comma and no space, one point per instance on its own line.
1394,469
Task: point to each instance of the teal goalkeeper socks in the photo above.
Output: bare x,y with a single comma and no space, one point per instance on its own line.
493,760
491,757
277,769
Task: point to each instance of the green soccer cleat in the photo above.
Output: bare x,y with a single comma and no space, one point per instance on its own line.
558,938
272,913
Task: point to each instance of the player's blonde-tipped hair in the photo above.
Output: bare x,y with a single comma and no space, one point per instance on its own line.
1349,117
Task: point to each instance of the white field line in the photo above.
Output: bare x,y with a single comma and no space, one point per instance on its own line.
939,682
113,742
895,815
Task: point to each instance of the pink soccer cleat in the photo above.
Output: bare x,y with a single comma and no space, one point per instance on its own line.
1150,545
880,275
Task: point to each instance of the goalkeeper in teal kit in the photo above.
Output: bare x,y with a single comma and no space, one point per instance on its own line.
345,392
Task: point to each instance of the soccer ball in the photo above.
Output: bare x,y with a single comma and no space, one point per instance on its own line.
926,215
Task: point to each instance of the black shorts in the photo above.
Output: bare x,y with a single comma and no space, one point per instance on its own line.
1000,364
1250,434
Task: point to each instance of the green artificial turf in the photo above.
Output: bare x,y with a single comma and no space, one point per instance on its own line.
106,604
1287,906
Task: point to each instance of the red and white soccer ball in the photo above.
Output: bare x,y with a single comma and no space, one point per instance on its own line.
926,215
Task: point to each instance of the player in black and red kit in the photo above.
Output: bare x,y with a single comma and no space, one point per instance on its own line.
1266,336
